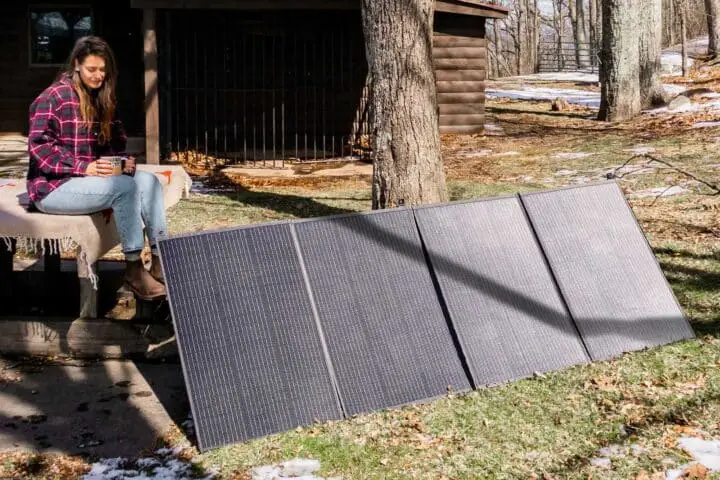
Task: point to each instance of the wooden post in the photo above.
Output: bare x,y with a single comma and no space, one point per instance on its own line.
51,260
6,273
152,104
88,295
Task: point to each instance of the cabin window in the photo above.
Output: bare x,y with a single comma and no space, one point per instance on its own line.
53,31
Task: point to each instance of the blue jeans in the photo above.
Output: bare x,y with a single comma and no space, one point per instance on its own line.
134,200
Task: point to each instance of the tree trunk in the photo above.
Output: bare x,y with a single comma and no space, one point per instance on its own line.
592,7
581,36
652,93
536,38
619,72
519,50
680,9
712,10
498,45
559,22
670,23
572,12
407,163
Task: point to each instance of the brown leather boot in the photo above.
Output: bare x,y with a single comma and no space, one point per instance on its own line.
141,283
156,269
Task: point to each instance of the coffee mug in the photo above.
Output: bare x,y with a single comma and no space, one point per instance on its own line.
118,163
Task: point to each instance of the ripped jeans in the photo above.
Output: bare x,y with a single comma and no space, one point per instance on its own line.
135,200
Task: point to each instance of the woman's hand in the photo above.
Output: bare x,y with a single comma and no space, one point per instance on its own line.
129,165
99,168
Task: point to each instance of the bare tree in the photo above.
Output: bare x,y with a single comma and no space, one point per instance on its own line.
682,17
593,21
620,72
581,35
712,9
407,162
652,93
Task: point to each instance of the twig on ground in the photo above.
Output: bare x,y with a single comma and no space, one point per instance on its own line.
651,158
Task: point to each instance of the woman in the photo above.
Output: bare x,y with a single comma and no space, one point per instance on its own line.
73,124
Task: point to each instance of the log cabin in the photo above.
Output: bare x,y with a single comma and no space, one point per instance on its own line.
238,79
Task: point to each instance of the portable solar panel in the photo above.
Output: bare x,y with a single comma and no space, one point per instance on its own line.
506,309
607,273
252,355
388,339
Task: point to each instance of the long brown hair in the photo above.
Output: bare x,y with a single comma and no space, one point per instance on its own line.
99,107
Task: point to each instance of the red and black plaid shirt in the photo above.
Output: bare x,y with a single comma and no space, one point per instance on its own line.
60,144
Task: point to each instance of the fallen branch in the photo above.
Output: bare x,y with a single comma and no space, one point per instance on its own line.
652,158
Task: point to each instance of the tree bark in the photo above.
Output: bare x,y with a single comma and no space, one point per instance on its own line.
592,7
712,10
407,163
498,45
583,55
619,72
559,22
652,93
680,8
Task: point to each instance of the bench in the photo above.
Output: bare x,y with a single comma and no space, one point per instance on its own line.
90,236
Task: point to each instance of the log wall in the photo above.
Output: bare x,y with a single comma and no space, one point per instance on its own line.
460,59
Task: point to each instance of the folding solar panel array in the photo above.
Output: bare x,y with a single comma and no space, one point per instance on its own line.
283,324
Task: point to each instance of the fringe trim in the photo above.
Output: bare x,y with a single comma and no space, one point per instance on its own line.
55,246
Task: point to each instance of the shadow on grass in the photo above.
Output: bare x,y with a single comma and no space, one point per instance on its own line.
289,204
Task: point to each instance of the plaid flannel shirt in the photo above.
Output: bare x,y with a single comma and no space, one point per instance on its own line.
60,144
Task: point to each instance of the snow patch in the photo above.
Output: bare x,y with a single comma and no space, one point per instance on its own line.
706,124
640,150
706,452
572,155
507,154
477,153
296,469
584,77
574,96
147,468
660,192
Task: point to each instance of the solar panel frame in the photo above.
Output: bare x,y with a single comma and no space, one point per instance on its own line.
481,277
321,402
608,335
421,361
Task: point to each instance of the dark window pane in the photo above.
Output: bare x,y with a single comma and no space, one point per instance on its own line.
53,32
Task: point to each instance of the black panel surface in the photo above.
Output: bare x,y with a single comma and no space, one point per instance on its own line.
507,311
612,283
388,339
250,349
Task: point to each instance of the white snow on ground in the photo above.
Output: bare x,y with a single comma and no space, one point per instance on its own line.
693,107
295,469
477,153
660,192
573,96
572,155
705,452
670,60
167,467
640,150
576,97
706,124
671,63
582,77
